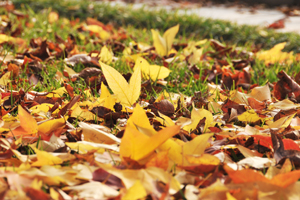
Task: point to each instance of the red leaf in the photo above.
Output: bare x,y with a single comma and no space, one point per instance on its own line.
267,142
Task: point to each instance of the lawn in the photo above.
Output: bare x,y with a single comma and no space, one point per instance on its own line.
103,102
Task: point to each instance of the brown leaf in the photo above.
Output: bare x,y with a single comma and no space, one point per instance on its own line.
42,52
286,86
277,24
64,110
35,194
256,104
101,111
280,154
69,89
103,176
45,99
164,106
83,59
89,72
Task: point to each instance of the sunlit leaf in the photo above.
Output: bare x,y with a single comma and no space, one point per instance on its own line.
275,54
83,148
51,125
45,158
197,115
137,191
151,71
105,55
163,44
250,116
136,145
98,30
93,190
5,79
126,93
28,125
98,136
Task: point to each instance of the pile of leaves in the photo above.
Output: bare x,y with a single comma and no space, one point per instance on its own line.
92,132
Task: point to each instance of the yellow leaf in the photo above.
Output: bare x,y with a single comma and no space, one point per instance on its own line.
146,176
5,38
163,44
159,43
5,79
276,55
45,158
139,119
37,184
99,30
283,122
175,150
195,57
105,55
197,145
196,116
69,70
134,57
58,92
126,93
27,122
135,85
229,196
51,125
83,148
83,114
169,36
110,102
104,91
249,116
165,120
136,145
205,159
53,194
105,99
151,71
137,191
41,108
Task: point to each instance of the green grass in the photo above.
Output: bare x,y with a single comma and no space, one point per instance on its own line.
137,24
191,25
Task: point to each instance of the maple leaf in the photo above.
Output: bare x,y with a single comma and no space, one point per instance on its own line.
151,71
126,93
134,143
163,44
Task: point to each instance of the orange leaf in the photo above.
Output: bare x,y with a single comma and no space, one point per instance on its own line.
160,160
205,163
137,146
284,180
267,142
245,175
28,125
249,175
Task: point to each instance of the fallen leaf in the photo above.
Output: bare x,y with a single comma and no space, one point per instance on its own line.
151,71
127,93
135,145
45,158
92,134
92,190
163,44
136,191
